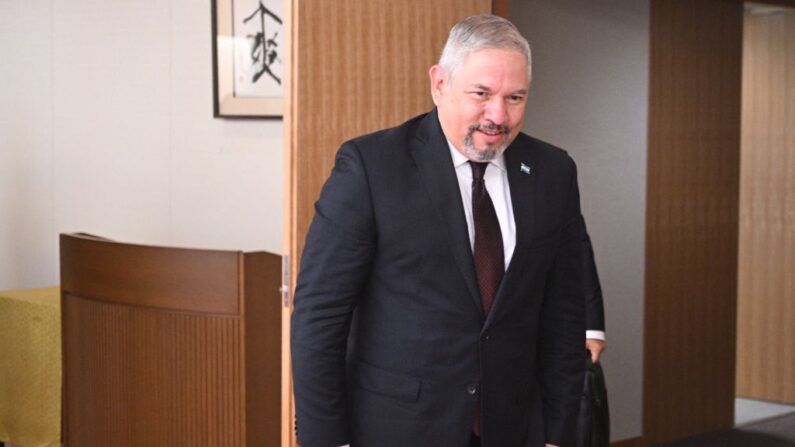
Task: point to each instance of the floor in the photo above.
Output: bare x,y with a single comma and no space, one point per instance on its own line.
761,424
757,424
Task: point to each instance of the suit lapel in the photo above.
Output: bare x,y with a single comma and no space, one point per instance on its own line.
432,155
521,167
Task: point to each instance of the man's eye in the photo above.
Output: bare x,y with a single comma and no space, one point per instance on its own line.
479,94
516,98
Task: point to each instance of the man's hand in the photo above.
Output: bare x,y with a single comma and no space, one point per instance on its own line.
595,347
551,445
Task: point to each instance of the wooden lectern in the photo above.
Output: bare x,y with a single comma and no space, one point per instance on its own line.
169,346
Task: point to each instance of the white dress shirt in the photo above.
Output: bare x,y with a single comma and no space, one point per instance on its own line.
496,178
595,335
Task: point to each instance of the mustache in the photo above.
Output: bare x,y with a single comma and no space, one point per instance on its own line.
490,127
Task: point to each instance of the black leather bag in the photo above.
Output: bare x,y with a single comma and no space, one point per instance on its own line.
593,424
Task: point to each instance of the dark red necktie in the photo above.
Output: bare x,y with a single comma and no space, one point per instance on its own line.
489,254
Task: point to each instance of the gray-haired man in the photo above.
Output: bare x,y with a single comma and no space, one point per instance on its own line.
440,300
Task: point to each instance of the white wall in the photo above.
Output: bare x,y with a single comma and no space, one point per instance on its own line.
589,96
106,127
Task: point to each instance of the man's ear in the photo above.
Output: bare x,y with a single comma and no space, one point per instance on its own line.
438,82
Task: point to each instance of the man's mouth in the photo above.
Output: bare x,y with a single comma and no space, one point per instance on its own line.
493,130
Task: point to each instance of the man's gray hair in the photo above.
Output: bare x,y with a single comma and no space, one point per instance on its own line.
481,32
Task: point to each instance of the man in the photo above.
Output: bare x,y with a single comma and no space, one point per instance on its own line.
440,300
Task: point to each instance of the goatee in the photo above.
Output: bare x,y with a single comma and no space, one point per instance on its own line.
487,153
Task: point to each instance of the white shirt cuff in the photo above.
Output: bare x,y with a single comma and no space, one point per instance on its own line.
597,335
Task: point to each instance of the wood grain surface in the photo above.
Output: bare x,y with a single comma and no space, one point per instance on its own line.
766,282
692,217
168,346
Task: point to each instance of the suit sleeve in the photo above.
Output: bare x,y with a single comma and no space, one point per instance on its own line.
561,350
594,307
334,268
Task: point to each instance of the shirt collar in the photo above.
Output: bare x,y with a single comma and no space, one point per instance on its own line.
459,159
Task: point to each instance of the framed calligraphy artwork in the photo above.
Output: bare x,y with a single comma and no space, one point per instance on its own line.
248,58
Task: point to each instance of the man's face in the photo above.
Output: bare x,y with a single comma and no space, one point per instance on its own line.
482,110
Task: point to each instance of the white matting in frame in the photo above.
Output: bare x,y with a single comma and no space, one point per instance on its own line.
248,56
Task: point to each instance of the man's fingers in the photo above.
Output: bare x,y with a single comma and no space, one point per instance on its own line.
595,347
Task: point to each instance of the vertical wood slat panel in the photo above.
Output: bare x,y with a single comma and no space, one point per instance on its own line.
766,282
355,66
692,217
263,349
142,368
155,376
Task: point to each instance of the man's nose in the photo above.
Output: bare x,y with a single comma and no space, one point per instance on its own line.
496,111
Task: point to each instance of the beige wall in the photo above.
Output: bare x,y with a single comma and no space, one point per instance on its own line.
589,96
106,127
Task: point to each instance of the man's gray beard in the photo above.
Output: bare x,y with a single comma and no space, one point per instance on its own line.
482,155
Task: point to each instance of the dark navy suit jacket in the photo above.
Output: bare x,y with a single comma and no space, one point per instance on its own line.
594,306
390,345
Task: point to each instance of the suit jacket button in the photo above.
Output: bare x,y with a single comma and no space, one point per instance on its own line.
472,389
485,337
